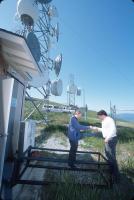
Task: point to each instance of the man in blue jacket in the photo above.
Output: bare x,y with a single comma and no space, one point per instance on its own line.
74,135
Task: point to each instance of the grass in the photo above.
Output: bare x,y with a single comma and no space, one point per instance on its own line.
125,134
127,166
70,191
125,157
93,143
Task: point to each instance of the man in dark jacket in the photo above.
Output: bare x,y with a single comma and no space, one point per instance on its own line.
74,135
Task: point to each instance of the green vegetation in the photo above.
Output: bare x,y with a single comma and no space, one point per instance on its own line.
127,166
69,191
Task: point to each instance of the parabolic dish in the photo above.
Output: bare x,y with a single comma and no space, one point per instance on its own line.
34,46
44,1
28,11
57,64
57,87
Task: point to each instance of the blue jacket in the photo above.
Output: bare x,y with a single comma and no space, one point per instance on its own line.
74,129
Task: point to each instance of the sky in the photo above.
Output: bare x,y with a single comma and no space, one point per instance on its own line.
97,43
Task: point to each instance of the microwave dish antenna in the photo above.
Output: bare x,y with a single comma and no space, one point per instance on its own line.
39,34
28,12
34,45
57,64
57,87
40,31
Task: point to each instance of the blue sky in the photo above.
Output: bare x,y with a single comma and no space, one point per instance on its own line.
97,43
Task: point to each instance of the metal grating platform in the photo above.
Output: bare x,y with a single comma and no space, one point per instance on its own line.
44,158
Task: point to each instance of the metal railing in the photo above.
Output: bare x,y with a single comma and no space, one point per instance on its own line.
27,160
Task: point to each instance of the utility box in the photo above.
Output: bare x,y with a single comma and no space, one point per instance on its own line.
27,135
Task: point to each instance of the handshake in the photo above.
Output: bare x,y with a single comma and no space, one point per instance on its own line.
94,128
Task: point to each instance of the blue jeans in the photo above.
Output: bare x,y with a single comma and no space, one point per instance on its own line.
110,152
72,152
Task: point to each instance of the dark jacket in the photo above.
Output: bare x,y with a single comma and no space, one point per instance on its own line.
74,129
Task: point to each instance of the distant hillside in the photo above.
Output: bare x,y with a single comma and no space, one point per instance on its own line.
126,116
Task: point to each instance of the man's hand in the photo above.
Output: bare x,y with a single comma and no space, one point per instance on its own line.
106,140
94,128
